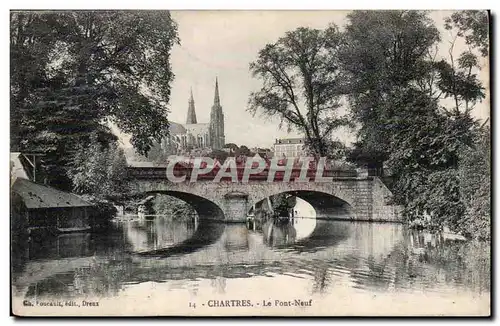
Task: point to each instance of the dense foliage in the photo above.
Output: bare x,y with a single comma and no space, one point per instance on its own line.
98,173
99,170
74,72
415,113
283,204
412,106
474,176
172,207
383,54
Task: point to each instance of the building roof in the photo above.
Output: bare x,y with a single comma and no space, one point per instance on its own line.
195,129
198,129
176,128
289,141
139,164
35,195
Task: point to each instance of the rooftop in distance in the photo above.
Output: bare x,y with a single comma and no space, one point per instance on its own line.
289,141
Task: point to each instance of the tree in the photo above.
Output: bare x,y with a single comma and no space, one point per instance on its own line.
366,156
99,170
219,155
461,83
73,72
232,146
243,150
283,203
32,38
384,52
473,25
301,84
457,78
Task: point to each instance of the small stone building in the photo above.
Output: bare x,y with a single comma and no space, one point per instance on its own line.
36,206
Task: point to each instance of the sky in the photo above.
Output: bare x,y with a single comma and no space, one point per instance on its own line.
222,44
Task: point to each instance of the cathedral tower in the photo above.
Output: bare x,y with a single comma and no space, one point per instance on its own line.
217,139
191,117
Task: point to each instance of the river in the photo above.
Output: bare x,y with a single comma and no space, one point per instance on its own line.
343,267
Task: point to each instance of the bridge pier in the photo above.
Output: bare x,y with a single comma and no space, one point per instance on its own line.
236,207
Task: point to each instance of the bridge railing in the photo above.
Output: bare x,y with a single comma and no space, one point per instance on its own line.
157,172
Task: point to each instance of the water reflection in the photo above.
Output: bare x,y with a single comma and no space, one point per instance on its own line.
158,234
278,235
179,237
304,233
304,227
285,234
193,255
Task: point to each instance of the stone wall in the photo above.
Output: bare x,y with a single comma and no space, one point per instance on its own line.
384,208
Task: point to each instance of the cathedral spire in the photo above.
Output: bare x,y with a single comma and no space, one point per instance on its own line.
191,116
217,138
216,95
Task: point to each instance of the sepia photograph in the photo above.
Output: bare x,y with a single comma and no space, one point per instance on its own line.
270,163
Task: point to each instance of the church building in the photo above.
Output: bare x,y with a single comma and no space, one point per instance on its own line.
194,136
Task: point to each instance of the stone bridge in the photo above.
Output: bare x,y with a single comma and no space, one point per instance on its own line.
360,198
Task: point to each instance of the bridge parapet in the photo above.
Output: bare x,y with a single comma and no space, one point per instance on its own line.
160,172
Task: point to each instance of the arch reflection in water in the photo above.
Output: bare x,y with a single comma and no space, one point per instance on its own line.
166,237
160,233
297,228
276,235
314,234
306,233
306,225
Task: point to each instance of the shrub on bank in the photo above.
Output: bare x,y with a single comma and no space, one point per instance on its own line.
104,211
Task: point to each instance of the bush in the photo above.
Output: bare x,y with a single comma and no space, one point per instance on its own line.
102,213
475,187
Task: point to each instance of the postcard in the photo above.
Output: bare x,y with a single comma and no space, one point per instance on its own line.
250,163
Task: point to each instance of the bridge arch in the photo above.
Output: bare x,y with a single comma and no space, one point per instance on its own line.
326,205
205,208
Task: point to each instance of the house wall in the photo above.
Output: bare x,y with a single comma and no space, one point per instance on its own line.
66,217
18,214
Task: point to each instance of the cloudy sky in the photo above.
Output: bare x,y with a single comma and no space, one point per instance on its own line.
222,44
